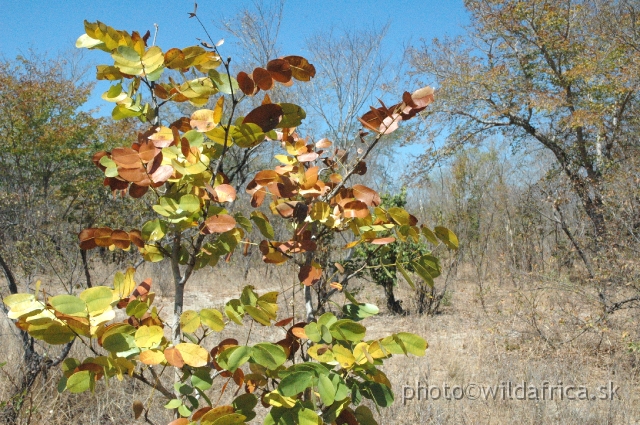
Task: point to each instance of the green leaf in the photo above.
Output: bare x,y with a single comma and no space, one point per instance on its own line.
212,318
447,237
243,221
189,203
313,332
258,315
361,311
121,112
119,343
379,393
245,404
347,330
98,299
399,216
412,343
247,135
263,224
295,383
148,336
268,355
68,304
201,378
154,230
221,81
248,296
292,115
326,390
80,382
234,357
234,311
189,321
327,319
406,275
173,404
429,235
364,416
308,417
184,411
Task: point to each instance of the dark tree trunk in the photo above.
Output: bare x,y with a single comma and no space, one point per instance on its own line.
393,305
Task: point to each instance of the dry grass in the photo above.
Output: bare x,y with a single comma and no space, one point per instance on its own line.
530,329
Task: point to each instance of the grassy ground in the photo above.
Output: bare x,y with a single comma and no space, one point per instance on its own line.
524,329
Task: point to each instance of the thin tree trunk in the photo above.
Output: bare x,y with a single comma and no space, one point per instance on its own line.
567,232
85,266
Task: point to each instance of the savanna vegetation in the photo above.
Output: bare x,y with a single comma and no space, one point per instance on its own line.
237,243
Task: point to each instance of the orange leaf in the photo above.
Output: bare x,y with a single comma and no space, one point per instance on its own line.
299,333
356,209
309,274
382,241
174,358
369,196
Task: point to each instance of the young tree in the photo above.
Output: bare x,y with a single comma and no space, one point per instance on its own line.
321,371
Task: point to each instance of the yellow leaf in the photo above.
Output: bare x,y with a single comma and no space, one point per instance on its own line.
193,354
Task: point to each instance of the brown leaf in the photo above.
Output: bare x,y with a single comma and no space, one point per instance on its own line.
263,79
301,69
218,224
135,175
308,157
120,239
136,191
183,124
126,158
283,322
174,59
346,418
246,83
162,174
102,236
267,117
87,240
135,236
142,290
265,177
200,413
258,197
280,70
323,143
361,168
138,408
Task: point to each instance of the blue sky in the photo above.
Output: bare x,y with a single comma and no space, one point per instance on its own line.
52,26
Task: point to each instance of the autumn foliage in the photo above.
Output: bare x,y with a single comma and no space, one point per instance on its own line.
178,167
